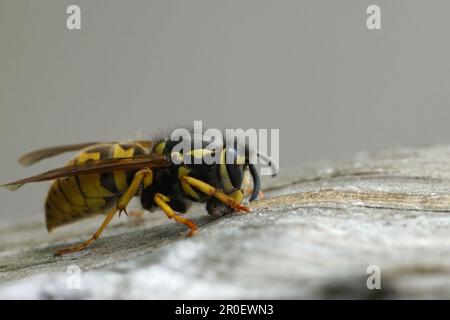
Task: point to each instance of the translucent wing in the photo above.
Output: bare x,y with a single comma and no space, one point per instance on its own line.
40,154
95,166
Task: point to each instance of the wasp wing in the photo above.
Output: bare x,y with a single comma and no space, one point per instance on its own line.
40,154
152,160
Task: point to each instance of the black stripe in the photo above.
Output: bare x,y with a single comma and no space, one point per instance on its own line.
79,187
105,151
107,181
127,146
138,150
58,181
130,176
64,193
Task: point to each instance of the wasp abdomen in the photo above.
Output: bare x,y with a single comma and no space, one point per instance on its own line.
77,197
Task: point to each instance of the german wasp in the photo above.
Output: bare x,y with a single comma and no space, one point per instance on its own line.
104,177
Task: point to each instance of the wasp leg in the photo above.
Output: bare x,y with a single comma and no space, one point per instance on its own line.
144,175
216,208
210,190
97,234
161,200
237,195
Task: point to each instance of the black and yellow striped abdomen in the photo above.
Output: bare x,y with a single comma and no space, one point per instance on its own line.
74,198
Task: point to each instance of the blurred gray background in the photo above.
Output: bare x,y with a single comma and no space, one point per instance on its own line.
310,68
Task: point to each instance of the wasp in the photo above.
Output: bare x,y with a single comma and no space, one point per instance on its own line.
104,177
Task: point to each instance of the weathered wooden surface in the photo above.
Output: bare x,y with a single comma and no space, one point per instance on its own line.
314,236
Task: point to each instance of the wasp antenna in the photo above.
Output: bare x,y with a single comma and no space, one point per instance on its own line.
256,182
269,162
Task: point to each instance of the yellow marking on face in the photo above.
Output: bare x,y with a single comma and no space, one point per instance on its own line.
120,178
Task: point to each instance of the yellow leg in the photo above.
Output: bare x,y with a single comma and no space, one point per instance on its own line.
210,190
237,195
142,175
145,175
86,243
161,200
